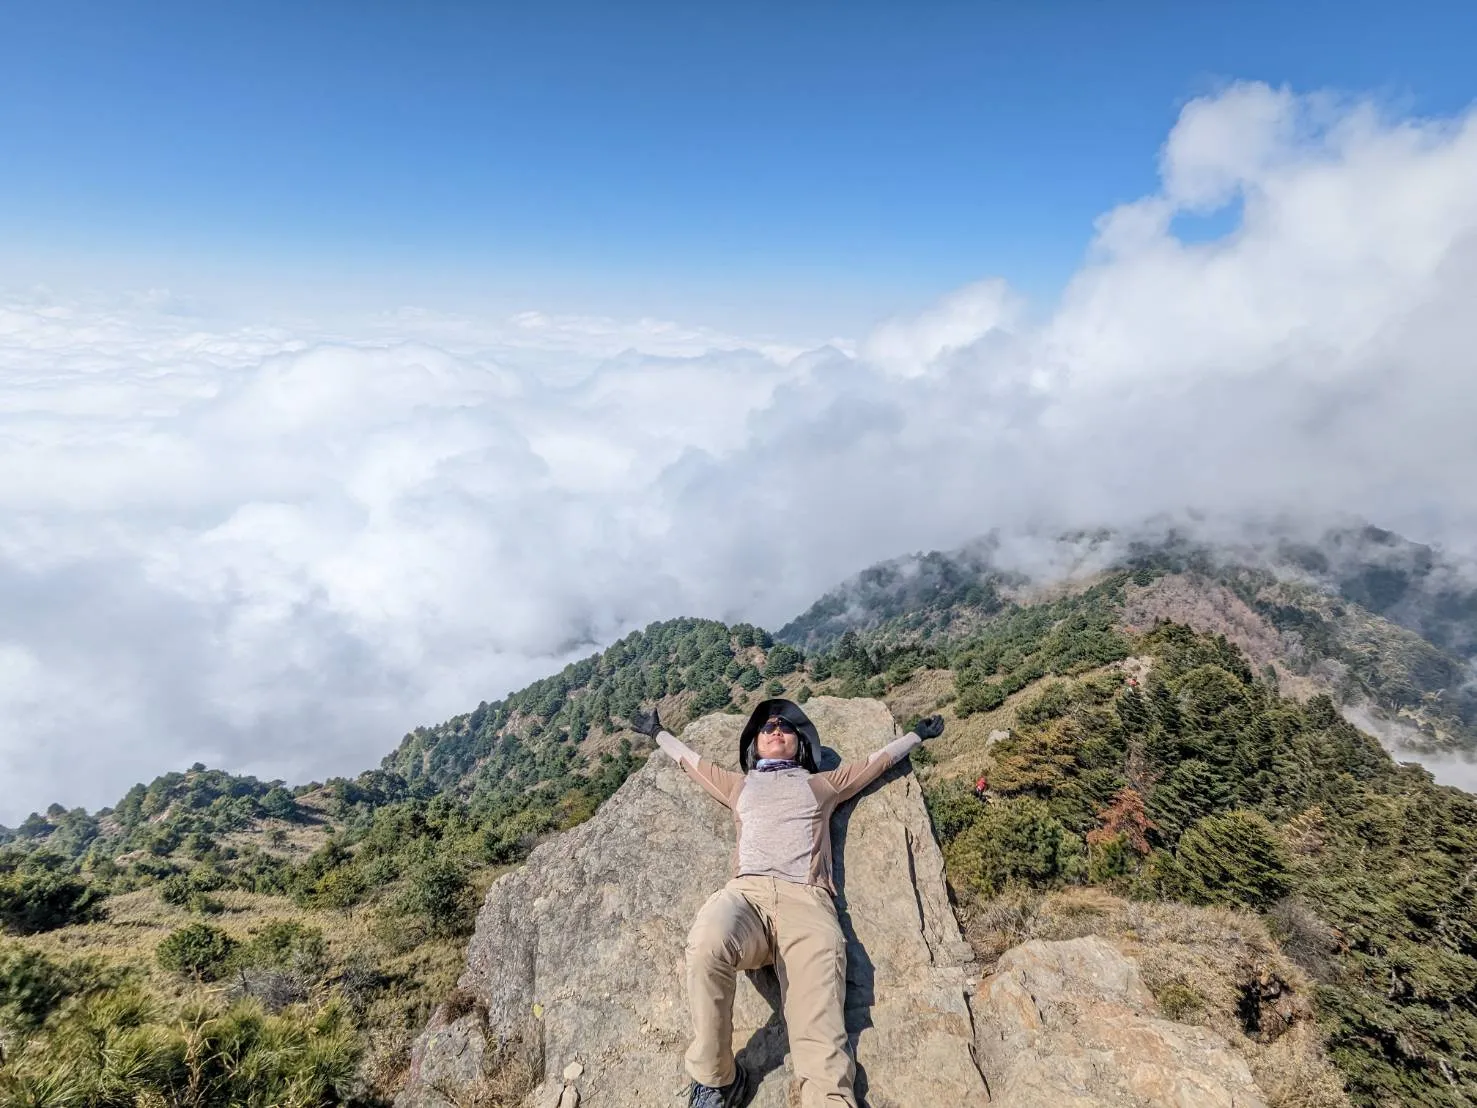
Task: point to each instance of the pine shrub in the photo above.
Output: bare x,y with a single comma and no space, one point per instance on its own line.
1013,842
43,900
1234,858
197,950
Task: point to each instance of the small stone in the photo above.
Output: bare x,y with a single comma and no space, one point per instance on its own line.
573,1072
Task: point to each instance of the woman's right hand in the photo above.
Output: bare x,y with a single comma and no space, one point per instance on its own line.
646,723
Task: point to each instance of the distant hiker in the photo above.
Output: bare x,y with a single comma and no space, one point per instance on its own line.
778,908
982,787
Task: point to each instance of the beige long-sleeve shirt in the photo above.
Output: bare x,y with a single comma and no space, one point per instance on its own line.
783,818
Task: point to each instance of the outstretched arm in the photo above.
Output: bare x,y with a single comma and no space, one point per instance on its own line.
853,777
721,784
681,753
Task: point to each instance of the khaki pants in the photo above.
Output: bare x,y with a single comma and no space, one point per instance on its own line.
752,922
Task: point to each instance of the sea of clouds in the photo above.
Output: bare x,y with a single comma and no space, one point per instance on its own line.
275,548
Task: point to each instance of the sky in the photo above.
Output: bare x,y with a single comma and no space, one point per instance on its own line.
805,169
361,362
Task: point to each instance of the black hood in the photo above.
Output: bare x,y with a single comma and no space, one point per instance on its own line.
809,754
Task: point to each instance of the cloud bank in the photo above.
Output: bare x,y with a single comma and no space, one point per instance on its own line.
274,549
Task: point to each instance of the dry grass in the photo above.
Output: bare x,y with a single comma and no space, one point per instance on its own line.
407,979
925,692
386,1062
505,1087
298,838
961,751
137,921
1207,966
1294,1073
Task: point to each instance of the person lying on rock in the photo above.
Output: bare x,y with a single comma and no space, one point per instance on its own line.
778,908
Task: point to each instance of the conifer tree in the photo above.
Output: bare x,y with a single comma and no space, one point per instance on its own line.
1232,858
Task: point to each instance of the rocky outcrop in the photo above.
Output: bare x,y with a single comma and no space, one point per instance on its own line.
581,949
1071,1025
575,971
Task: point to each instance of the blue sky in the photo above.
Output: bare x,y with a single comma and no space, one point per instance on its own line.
826,162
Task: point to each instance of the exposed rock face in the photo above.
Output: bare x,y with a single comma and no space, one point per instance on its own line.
583,947
1071,1025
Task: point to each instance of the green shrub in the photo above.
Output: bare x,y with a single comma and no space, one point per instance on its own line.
1013,842
280,965
1110,859
513,839
174,890
205,904
1180,1001
1191,790
121,1049
287,945
440,895
198,844
340,888
952,807
43,900
280,804
197,950
1233,858
207,879
983,697
1054,701
710,697
31,985
782,659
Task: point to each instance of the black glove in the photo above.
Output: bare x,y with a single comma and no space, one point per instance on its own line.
646,723
930,727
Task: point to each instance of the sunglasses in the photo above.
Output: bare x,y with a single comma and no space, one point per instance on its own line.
774,725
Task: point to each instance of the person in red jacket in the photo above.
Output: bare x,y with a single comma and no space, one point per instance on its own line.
778,908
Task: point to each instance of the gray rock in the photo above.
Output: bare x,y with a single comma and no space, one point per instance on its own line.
452,1053
1071,1025
586,940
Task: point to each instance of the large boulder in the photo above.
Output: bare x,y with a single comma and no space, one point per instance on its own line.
581,950
1071,1025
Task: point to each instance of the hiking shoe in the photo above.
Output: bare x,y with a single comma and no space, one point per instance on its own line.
732,1095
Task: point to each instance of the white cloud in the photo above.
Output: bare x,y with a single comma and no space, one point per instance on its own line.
273,548
909,347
